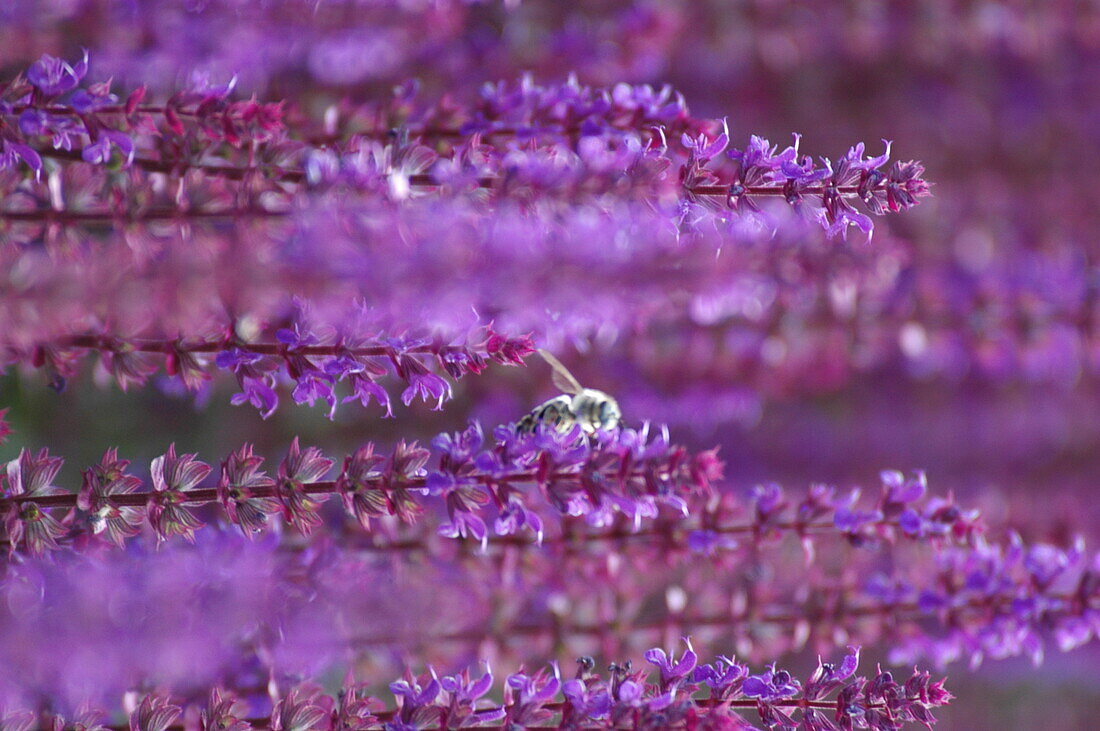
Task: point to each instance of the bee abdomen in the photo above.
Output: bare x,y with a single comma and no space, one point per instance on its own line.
556,412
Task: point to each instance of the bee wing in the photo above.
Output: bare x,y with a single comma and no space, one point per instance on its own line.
561,377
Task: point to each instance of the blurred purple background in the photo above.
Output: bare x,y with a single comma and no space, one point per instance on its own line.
995,318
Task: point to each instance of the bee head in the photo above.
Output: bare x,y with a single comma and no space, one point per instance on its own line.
609,414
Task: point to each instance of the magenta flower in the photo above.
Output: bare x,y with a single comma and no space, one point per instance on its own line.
115,522
301,708
241,479
173,476
154,713
296,470
30,476
358,485
224,711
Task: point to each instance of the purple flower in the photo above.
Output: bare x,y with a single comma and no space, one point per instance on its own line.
673,672
526,695
343,366
422,382
364,389
514,516
99,151
465,525
851,521
723,676
294,338
899,489
704,148
465,690
90,100
259,393
773,685
417,698
855,160
235,359
829,677
427,386
53,76
464,693
460,447
769,502
313,385
710,543
588,703
12,152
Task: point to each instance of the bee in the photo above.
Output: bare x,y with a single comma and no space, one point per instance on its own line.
592,409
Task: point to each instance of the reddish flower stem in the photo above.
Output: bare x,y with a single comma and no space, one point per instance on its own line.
234,172
48,215
558,706
156,345
842,610
210,494
231,172
63,110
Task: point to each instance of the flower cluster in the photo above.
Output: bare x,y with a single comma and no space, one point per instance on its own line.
336,267
89,123
553,167
615,143
998,600
587,701
524,477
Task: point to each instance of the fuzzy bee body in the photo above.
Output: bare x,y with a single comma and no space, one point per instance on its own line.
593,410
557,412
